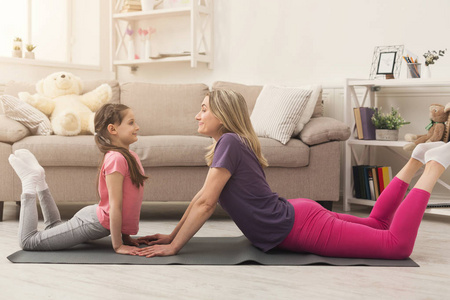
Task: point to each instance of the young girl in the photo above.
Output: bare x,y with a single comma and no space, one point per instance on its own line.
237,182
120,186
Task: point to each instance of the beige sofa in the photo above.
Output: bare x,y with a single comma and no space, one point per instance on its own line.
171,150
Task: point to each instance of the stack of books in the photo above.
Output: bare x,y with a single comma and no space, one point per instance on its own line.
363,119
370,181
131,6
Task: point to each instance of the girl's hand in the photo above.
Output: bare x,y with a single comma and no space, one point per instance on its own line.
156,239
128,240
157,250
129,250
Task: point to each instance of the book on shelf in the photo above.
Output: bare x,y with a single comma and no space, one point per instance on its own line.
370,181
363,119
131,6
359,131
380,179
376,184
132,2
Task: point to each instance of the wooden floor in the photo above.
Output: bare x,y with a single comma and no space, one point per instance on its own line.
22,281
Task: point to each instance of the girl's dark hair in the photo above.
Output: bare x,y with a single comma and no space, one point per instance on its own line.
112,113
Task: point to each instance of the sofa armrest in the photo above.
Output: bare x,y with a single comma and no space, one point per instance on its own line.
323,129
11,131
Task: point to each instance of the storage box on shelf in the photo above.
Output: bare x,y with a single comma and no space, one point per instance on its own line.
366,155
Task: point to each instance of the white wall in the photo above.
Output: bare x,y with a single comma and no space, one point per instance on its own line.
295,41
290,42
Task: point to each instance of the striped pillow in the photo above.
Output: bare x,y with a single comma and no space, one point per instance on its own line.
278,110
30,117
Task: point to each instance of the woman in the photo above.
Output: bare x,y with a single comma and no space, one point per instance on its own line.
237,182
120,185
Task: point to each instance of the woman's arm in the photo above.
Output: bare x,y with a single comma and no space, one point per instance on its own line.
114,183
168,238
195,216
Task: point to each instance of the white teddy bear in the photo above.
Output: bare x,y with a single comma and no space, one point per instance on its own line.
58,96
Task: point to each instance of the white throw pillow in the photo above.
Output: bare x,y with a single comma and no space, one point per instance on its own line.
310,106
278,110
30,117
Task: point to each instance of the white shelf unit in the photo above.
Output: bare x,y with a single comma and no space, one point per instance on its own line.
201,24
352,157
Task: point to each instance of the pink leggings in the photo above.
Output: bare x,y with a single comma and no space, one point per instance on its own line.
388,233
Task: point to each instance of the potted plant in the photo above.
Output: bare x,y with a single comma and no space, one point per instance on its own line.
17,47
387,125
30,53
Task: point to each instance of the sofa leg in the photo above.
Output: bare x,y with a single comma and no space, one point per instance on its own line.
1,211
327,204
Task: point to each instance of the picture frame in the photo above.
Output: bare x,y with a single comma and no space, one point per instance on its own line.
386,62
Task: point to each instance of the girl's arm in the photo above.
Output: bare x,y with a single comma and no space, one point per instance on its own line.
114,183
195,216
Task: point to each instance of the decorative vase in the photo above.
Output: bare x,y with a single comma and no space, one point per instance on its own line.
17,53
386,135
150,4
29,55
130,49
427,72
17,45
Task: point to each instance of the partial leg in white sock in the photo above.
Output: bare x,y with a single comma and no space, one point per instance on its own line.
421,149
28,157
49,209
440,154
27,174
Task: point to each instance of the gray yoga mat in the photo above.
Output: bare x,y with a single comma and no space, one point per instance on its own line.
199,251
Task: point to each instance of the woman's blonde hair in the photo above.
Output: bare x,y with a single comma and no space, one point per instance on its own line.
231,109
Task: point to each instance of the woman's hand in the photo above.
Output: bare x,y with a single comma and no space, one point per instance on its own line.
156,239
157,250
128,240
129,250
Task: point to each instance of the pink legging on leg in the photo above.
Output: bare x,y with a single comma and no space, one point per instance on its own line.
388,233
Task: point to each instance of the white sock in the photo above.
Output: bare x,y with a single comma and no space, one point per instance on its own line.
27,174
421,149
28,157
440,154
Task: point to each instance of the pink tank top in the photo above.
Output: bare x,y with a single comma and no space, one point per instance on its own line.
132,196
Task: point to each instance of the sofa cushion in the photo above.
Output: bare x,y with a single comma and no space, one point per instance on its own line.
314,99
32,118
14,87
11,131
251,93
81,150
172,150
278,110
323,129
154,151
292,155
164,109
61,151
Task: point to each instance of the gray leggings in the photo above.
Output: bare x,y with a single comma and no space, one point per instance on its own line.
82,227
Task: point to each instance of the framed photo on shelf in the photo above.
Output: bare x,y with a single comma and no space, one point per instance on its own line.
386,62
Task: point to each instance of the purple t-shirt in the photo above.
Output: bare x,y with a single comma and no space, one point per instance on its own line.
263,217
